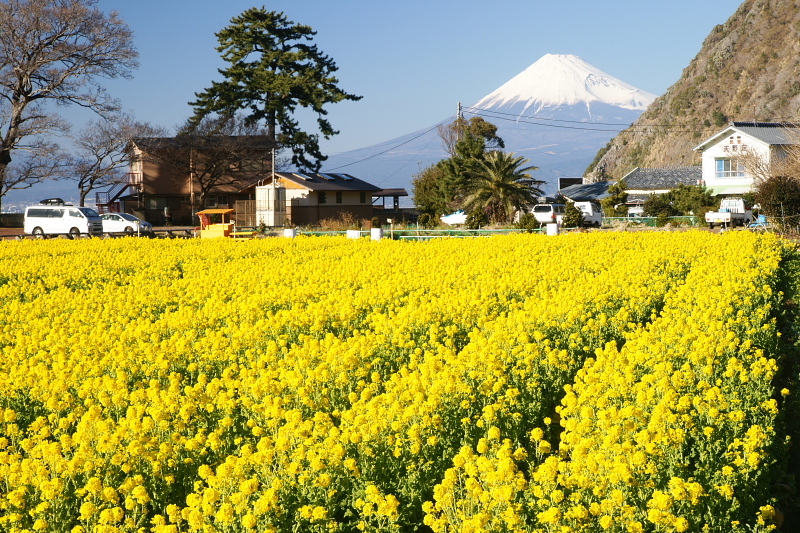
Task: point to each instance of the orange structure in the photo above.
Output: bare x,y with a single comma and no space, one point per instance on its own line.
209,229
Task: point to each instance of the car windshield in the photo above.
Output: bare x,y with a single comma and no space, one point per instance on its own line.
541,209
127,216
88,212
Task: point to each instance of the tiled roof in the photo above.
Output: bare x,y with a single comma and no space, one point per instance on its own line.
586,192
642,179
327,181
770,132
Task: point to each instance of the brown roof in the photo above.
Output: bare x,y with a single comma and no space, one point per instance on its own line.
391,192
151,144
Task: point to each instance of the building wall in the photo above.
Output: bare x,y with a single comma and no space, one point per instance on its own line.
304,206
303,197
732,146
162,187
312,214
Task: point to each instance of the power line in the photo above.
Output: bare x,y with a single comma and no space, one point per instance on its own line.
541,123
536,121
687,128
550,119
389,149
407,162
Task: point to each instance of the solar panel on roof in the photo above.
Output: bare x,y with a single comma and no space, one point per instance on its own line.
345,177
306,177
329,177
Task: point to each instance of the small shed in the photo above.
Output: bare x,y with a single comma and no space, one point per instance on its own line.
210,228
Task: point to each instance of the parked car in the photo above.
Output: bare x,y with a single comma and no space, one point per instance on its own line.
547,213
125,223
54,217
592,213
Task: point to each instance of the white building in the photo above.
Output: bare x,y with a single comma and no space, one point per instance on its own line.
723,154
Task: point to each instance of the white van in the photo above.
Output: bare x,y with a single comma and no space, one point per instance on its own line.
56,218
592,213
547,213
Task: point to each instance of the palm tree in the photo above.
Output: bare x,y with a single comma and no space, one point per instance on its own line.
499,187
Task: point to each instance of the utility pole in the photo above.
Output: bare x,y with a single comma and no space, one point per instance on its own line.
273,169
191,182
459,121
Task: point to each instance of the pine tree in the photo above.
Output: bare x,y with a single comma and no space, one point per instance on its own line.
614,204
272,70
573,217
439,188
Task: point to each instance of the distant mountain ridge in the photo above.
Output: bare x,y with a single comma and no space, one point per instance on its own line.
748,69
556,113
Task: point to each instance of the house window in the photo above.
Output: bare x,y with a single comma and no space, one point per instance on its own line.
338,197
363,197
156,203
222,200
211,201
323,197
729,168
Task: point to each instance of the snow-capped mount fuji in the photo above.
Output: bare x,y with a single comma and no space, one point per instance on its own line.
558,113
564,80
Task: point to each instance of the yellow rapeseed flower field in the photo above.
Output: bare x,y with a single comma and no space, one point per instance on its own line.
588,382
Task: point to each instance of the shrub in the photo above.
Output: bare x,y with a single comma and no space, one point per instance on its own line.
573,217
425,220
476,219
528,222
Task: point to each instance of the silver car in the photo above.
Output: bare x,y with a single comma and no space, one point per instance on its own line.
125,223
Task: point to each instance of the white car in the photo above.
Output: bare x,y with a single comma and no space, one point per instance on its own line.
54,217
124,223
547,213
592,213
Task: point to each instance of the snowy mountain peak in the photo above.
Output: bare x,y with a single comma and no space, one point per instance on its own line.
556,80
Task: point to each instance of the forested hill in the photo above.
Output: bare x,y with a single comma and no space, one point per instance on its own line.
747,69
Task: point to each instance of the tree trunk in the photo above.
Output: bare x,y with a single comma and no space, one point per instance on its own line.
271,127
3,167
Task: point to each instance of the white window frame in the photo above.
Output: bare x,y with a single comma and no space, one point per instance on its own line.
728,167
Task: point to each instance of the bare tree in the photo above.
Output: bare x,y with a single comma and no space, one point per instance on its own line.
53,51
216,152
102,151
476,126
28,171
784,159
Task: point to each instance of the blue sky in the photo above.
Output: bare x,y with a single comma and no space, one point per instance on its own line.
413,61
